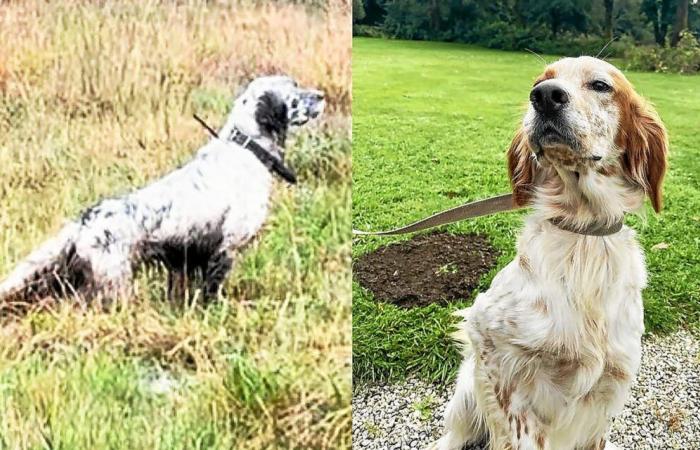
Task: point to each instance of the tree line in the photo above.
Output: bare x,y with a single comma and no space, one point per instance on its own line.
552,26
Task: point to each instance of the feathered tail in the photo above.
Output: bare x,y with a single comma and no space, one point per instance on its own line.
47,271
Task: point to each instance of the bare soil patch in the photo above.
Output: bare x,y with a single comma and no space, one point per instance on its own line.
430,268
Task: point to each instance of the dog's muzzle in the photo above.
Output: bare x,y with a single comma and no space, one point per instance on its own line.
550,127
312,105
551,133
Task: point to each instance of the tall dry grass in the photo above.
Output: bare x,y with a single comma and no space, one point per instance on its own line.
95,99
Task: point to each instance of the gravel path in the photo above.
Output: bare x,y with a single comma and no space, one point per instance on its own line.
662,413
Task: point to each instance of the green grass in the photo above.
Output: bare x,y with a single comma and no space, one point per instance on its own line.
96,98
431,122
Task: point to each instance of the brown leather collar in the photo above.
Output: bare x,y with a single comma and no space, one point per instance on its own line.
594,229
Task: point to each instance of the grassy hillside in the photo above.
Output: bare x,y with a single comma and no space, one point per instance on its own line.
97,98
431,122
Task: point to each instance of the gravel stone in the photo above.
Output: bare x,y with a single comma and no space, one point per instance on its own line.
662,412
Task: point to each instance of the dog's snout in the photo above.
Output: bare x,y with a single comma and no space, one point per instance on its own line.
315,96
548,98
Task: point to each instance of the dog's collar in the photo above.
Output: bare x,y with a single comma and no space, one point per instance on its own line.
594,229
272,163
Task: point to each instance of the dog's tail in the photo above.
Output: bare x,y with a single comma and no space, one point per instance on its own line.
47,271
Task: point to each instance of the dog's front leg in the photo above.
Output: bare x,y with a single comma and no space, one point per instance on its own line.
464,423
217,270
177,285
526,433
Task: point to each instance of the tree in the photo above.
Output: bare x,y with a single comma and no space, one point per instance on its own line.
557,15
555,26
358,11
609,6
660,15
681,22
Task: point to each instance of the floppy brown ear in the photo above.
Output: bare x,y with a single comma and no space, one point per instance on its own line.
521,169
645,144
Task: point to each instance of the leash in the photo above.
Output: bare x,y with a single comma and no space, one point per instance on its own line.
492,205
500,203
201,121
245,141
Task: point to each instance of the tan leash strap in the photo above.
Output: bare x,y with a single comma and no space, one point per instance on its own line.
478,208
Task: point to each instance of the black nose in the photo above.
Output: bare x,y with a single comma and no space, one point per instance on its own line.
548,98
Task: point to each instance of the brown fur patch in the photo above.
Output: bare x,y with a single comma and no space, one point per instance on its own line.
524,263
503,394
615,371
521,168
642,136
564,370
541,305
548,74
540,440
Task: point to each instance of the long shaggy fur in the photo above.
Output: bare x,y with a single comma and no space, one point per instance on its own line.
189,221
552,347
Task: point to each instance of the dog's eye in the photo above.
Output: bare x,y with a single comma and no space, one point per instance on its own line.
295,103
600,86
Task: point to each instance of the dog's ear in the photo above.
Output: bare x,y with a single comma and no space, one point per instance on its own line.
521,169
271,116
643,139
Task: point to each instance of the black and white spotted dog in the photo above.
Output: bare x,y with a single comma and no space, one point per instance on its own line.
190,220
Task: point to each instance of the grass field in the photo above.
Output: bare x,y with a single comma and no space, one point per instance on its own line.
431,123
97,98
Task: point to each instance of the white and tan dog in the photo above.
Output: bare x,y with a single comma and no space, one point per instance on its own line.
551,349
190,220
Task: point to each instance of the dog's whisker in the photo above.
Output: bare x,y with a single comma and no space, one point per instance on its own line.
613,39
544,61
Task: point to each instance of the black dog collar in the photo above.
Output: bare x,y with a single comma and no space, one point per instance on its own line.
273,164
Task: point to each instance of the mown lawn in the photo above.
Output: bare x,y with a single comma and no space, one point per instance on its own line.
431,122
96,98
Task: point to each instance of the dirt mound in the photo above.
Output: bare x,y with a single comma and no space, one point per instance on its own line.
430,268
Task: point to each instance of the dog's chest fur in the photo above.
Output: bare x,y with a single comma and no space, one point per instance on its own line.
224,189
559,332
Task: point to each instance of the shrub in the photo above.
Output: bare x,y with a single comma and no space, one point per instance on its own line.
368,31
684,58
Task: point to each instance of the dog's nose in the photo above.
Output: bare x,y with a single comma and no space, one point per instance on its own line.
548,98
